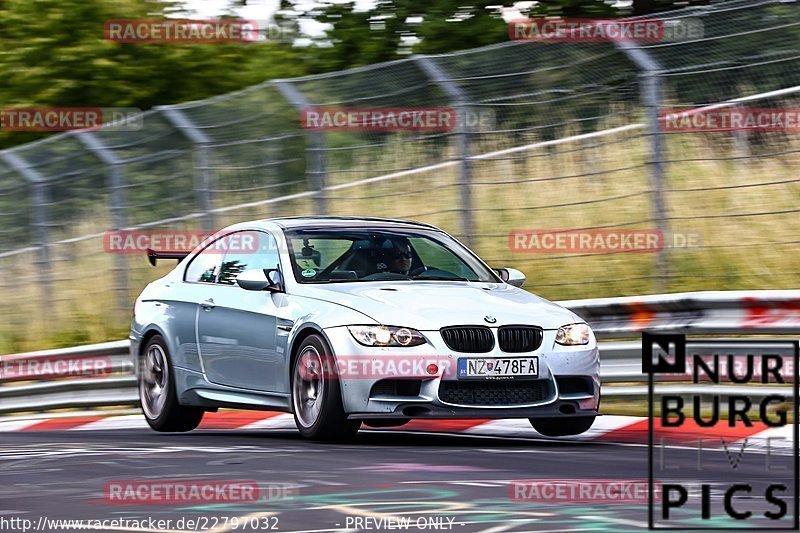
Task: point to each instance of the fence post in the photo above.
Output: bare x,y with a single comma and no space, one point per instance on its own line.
204,183
741,144
651,91
115,181
39,201
315,141
460,101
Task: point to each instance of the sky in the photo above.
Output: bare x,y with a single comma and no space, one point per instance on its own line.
255,9
263,10
259,10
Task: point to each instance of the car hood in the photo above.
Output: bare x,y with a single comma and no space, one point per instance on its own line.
432,305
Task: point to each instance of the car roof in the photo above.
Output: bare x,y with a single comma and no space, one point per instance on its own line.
345,222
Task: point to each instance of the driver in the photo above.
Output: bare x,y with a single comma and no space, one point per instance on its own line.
398,259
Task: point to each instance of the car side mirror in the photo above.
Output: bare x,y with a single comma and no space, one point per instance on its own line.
512,276
259,279
275,280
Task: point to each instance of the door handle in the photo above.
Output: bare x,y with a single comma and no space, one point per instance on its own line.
208,305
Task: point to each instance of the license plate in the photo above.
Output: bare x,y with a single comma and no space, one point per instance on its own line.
498,368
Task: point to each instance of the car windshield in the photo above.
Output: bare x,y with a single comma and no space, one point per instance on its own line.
340,255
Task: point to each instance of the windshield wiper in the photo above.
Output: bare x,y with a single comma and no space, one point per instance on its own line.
338,280
440,278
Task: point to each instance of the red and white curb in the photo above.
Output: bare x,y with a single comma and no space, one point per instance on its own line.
608,429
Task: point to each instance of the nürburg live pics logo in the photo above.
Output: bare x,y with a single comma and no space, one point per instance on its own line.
723,433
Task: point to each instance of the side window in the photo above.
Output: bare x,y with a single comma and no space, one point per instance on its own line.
247,250
204,267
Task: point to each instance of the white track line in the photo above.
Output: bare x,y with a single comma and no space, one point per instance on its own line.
115,422
281,421
522,428
17,425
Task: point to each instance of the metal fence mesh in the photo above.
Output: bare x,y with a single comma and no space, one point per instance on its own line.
571,144
737,190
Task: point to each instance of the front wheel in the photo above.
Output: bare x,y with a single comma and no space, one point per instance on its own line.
316,395
157,392
562,427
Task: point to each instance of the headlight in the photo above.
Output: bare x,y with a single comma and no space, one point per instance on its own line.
573,334
386,336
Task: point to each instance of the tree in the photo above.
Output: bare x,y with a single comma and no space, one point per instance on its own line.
393,29
53,53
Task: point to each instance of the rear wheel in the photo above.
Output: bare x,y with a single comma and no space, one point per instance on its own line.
316,395
562,427
157,392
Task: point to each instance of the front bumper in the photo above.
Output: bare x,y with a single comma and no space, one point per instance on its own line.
556,365
434,412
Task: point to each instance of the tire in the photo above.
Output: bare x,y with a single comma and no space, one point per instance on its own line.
157,392
317,396
562,427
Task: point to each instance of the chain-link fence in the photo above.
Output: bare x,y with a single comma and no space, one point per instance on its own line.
577,142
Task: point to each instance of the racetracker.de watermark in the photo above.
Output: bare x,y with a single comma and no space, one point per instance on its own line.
70,118
180,30
192,491
604,30
27,367
397,118
600,241
184,241
576,490
375,367
732,119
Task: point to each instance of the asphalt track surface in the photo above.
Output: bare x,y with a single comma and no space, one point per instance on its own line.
460,482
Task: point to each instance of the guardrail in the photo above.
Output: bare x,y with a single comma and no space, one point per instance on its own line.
754,312
34,381
709,312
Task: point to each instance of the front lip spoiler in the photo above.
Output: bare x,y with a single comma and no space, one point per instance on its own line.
436,412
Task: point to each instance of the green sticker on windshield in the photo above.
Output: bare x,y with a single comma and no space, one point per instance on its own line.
308,273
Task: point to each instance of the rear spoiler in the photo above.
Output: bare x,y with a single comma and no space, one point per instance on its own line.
153,256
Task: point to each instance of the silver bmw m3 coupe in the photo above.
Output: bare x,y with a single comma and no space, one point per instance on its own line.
344,321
